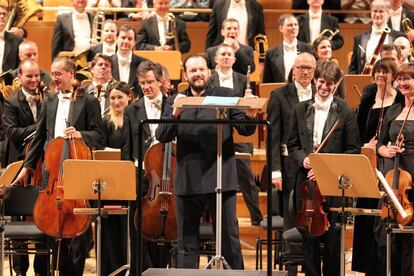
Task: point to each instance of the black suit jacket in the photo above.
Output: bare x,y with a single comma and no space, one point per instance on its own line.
244,57
135,113
274,67
279,111
255,21
358,52
63,38
11,51
345,139
148,37
133,81
196,151
406,13
84,115
239,82
19,123
327,22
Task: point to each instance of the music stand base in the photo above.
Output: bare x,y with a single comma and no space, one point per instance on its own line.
122,268
217,262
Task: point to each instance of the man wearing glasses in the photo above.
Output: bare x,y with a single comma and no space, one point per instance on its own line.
279,111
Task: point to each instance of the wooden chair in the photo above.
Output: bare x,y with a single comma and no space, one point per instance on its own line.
170,59
182,86
354,86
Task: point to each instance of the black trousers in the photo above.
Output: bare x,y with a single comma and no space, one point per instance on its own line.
189,211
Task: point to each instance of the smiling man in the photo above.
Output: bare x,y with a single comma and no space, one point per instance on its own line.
196,166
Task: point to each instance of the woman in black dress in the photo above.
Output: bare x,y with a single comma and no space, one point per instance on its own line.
114,227
402,254
379,94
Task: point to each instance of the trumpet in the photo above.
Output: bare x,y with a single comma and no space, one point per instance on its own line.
329,34
171,37
261,45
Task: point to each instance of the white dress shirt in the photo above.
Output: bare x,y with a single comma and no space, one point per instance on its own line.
81,31
226,80
290,51
32,102
321,114
62,113
2,43
304,93
239,12
395,17
373,42
153,110
314,24
124,64
162,26
108,49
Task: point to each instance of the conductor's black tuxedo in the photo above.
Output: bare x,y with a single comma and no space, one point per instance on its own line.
274,67
255,21
148,36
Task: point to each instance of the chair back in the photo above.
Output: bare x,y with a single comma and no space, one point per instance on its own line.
19,200
170,59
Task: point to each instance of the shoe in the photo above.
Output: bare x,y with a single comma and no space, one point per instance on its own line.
256,222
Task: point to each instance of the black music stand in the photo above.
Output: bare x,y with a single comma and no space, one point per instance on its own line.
344,175
220,104
99,180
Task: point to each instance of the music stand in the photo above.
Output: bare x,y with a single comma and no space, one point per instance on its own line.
99,180
354,86
220,104
344,175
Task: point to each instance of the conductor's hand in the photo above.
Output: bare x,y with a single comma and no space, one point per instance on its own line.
250,112
177,110
22,178
71,132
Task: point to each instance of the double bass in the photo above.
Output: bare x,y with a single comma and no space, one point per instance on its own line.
158,207
311,215
401,183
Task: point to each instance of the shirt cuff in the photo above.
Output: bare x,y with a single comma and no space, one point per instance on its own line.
276,174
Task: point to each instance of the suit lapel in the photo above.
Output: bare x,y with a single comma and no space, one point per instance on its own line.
292,96
306,27
214,80
51,113
238,85
68,22
142,115
7,46
310,121
75,110
154,27
25,107
363,46
279,59
330,120
132,71
115,71
249,19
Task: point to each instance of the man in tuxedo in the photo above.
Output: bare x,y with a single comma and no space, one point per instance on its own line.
310,122
150,106
28,50
154,32
312,23
398,13
226,77
21,111
65,114
365,43
279,59
195,174
279,110
10,44
108,38
124,62
72,31
244,54
249,14
102,81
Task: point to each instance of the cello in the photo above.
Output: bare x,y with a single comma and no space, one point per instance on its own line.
401,183
312,216
158,207
53,214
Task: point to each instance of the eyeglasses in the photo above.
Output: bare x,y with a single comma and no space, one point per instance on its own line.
305,68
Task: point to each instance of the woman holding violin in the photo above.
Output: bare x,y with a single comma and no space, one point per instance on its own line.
68,118
375,101
311,123
398,127
114,228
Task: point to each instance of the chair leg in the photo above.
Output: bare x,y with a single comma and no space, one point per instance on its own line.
257,253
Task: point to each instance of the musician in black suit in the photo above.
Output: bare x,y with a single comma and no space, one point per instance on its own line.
72,31
102,80
62,116
10,47
21,111
279,59
365,43
226,77
230,30
279,110
152,35
312,23
150,106
108,38
249,13
195,174
398,13
310,122
124,62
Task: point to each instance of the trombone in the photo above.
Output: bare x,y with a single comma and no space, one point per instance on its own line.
328,33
